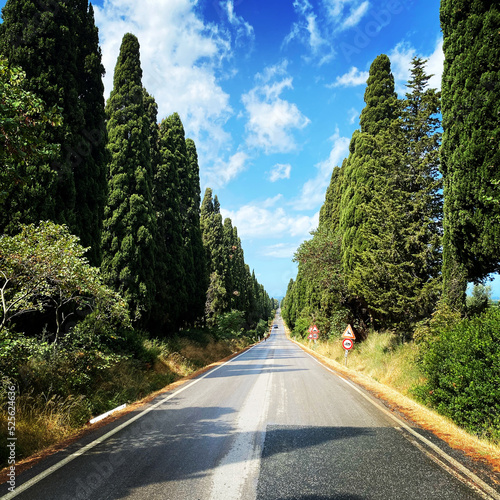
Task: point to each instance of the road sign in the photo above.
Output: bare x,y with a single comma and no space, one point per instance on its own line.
313,329
314,336
349,334
310,336
347,344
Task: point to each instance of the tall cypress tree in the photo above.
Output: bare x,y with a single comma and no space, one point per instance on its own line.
199,272
90,169
57,46
365,188
128,240
172,295
470,157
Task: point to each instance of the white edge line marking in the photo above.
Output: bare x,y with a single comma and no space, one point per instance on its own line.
76,454
494,494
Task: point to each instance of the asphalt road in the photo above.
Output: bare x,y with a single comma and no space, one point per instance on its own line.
271,423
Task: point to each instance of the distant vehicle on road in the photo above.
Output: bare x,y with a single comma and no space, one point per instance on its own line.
275,326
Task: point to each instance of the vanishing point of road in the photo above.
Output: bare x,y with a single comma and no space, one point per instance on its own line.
271,423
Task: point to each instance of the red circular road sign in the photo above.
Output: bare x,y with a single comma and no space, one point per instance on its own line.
314,335
347,344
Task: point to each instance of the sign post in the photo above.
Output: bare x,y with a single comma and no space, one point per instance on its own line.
313,333
347,344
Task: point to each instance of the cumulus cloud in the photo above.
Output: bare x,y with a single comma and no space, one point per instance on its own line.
435,65
280,171
262,220
181,57
352,78
271,119
222,172
313,191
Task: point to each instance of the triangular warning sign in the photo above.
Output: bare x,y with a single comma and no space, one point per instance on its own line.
314,329
348,334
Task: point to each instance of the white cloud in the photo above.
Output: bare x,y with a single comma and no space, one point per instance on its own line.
271,119
243,29
356,15
280,171
352,78
281,250
345,14
313,191
401,57
222,172
435,65
181,56
308,30
256,220
353,114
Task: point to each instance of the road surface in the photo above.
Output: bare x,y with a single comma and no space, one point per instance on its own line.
270,424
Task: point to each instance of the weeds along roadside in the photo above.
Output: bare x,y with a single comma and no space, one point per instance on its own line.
57,401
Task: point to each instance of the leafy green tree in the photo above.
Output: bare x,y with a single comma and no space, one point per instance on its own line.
44,268
57,47
470,157
129,231
22,123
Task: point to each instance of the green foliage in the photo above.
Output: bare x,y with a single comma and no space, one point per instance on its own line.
462,366
44,268
171,300
302,325
129,230
58,48
479,301
471,133
230,324
23,119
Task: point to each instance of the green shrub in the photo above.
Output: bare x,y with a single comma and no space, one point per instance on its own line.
301,326
462,367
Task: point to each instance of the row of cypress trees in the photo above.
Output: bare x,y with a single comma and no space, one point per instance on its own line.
381,212
390,251
126,185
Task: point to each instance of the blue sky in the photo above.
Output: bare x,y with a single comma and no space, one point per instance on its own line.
271,92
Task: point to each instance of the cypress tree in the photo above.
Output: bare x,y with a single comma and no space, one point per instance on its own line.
128,240
172,292
213,242
57,46
470,157
330,210
91,158
230,248
195,237
365,189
